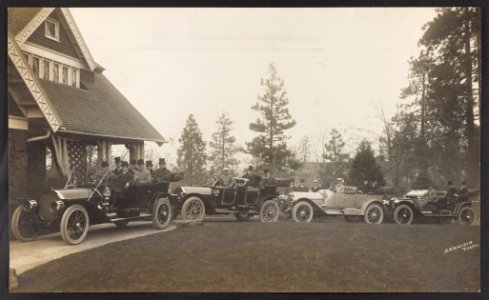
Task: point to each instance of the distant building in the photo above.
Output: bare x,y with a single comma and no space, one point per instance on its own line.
60,102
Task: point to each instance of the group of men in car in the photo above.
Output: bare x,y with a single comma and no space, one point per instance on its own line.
134,173
254,180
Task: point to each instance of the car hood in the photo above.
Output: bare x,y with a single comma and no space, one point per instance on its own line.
196,190
70,194
310,195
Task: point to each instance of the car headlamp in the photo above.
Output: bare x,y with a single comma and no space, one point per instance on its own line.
57,205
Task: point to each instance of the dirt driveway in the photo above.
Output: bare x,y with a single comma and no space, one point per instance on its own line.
232,256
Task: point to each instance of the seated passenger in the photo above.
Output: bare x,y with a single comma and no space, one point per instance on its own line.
227,179
141,175
339,187
103,173
162,173
463,193
119,183
451,191
253,180
315,186
268,180
301,187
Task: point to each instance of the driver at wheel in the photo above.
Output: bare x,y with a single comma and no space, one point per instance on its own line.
118,184
227,179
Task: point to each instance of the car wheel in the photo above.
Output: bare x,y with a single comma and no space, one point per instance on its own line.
374,214
353,219
24,225
269,212
403,215
74,224
302,212
162,213
242,217
193,209
466,216
122,223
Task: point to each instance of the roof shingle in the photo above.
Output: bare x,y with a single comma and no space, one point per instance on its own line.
99,110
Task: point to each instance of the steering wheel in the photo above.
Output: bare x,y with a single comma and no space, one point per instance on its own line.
217,180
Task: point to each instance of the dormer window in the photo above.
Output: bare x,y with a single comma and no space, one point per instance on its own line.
51,29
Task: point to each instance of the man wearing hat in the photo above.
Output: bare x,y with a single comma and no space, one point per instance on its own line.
227,178
149,166
132,165
118,166
254,180
315,186
162,173
118,184
103,173
141,175
268,180
301,187
339,187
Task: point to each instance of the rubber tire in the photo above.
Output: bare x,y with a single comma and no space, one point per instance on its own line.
156,222
296,208
262,211
396,211
187,203
242,217
15,225
121,223
354,219
64,220
374,206
459,218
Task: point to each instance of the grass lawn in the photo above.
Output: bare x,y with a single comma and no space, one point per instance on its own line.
225,255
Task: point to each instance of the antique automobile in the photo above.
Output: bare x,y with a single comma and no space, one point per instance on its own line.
242,200
426,204
72,210
354,205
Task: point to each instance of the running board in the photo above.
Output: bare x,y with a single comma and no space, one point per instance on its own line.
143,215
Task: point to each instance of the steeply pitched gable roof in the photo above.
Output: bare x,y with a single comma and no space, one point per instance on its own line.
99,110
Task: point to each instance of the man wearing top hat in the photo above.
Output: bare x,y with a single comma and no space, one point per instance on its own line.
141,175
149,166
268,180
132,165
118,166
162,173
253,180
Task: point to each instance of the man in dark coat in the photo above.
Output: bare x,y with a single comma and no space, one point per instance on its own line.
149,166
451,191
463,193
162,173
118,166
268,180
301,187
119,182
254,180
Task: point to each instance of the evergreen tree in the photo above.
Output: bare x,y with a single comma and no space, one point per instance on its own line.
222,145
364,168
192,153
269,146
335,160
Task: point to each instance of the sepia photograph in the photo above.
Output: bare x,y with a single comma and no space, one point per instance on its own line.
214,149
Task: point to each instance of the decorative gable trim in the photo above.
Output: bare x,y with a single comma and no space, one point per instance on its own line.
79,38
26,32
32,83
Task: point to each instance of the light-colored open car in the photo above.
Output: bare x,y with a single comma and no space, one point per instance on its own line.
354,205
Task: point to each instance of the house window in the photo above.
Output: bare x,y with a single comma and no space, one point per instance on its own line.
64,75
45,69
56,72
51,29
36,65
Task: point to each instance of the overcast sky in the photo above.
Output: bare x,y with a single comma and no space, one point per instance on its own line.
339,64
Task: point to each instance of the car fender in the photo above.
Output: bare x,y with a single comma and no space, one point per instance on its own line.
316,208
364,206
461,205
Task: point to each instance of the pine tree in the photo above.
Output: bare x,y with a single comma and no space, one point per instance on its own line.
335,160
192,153
223,146
364,168
269,146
